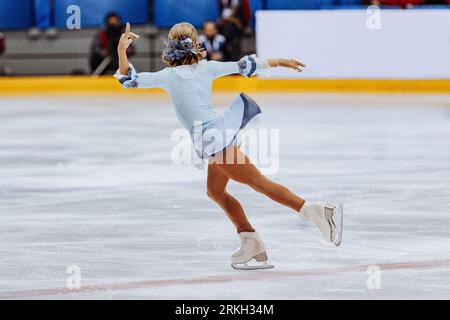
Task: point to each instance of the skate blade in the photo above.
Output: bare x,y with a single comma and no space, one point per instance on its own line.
251,265
338,221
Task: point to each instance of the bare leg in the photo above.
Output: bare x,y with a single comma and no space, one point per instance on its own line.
216,186
243,171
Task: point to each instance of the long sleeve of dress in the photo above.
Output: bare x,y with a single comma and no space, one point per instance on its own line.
247,66
142,79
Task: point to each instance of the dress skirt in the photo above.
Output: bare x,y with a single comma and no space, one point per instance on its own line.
216,135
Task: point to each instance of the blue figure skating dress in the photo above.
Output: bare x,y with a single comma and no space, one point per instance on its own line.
190,88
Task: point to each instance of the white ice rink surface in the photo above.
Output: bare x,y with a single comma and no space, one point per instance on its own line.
88,181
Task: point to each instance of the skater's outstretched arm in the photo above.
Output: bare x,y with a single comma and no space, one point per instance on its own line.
250,65
127,75
286,63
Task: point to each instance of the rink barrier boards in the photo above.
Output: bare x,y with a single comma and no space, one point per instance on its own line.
83,84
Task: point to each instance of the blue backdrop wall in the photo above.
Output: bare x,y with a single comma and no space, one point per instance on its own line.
15,14
169,12
93,12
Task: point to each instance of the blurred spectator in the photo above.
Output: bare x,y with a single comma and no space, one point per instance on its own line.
212,41
2,49
2,43
234,18
104,47
439,2
400,3
405,4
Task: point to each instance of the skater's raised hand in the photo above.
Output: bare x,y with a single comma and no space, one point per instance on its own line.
127,38
287,63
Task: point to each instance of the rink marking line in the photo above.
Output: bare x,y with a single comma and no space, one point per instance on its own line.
242,276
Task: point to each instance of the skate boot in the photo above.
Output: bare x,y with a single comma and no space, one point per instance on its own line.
252,254
328,218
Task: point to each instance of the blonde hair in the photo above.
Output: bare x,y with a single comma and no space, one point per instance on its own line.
182,31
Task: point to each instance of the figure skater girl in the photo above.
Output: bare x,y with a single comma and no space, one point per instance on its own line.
188,80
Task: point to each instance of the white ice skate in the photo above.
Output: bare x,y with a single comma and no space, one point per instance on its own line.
328,218
252,254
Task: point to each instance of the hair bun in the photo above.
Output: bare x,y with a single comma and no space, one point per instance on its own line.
182,46
176,50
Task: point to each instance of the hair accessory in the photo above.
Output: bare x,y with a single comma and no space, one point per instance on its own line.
178,49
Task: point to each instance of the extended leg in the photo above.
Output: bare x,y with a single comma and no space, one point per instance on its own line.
328,218
216,186
252,248
235,165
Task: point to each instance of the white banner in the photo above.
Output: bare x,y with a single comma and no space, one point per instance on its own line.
385,44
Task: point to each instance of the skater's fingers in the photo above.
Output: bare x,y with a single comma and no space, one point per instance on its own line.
134,36
297,68
293,65
127,28
298,63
